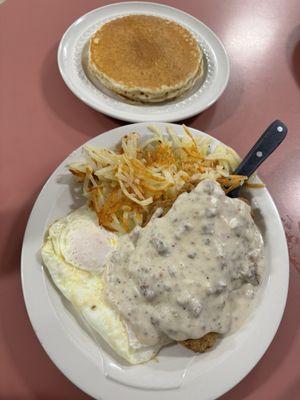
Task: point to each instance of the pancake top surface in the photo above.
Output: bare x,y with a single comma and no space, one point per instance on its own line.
145,51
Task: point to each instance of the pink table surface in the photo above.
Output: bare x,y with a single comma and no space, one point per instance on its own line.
41,122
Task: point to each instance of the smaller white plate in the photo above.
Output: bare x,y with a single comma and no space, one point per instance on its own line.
72,51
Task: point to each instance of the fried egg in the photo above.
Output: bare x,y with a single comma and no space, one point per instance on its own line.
74,254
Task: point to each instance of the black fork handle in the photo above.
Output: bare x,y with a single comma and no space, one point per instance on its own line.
266,144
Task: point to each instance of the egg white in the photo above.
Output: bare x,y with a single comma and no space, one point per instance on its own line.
65,256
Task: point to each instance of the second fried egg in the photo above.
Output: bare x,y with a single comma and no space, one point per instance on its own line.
74,254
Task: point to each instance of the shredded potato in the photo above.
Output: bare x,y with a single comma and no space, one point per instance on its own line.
126,186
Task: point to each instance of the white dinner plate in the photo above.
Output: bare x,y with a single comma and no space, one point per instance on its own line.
177,373
72,53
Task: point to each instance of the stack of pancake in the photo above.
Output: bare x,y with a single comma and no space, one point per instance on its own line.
145,58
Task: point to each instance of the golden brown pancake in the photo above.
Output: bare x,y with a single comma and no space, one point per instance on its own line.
145,58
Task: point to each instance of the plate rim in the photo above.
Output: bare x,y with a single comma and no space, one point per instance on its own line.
35,324
168,116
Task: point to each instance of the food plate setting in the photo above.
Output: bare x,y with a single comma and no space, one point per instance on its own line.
132,185
154,262
161,59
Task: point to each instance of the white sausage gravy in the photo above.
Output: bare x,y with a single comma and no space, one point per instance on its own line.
190,272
